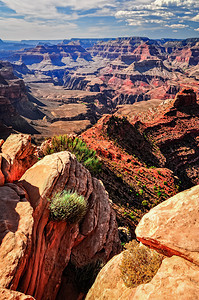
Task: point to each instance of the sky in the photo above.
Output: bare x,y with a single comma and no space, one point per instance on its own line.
64,19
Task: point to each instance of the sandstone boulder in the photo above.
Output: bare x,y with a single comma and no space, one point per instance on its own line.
17,156
176,279
109,284
16,223
6,294
172,227
53,242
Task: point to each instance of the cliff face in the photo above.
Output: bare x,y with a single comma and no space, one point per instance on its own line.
35,250
171,229
14,103
148,153
51,54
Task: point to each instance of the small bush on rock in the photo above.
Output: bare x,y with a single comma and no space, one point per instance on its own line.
139,264
68,206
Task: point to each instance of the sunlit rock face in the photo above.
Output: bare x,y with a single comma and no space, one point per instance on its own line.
34,249
171,228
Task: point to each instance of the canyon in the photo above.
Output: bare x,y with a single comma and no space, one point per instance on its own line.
69,87
134,102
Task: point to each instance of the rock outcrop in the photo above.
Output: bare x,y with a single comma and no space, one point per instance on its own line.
16,224
34,249
186,97
170,228
150,152
14,103
17,155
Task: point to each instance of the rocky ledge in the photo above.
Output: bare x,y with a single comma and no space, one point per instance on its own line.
34,249
171,228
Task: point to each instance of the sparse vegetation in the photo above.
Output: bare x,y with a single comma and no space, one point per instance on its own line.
144,202
68,206
139,264
76,146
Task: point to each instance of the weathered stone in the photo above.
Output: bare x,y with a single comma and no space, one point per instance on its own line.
6,294
18,153
53,241
100,219
185,98
16,225
109,284
176,279
172,227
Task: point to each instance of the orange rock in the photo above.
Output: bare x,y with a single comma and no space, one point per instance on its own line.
16,225
6,294
18,156
109,284
53,242
2,178
176,279
172,227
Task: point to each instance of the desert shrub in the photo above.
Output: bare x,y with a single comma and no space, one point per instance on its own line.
139,264
76,146
68,206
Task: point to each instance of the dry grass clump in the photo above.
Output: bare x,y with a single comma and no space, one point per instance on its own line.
139,264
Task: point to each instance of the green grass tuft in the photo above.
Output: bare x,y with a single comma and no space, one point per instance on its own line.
76,146
68,206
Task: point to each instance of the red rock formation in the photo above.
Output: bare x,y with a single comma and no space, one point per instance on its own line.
186,97
34,249
162,136
18,154
14,103
172,228
53,54
15,236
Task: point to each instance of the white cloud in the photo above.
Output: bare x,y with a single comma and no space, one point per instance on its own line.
196,29
196,18
17,29
177,26
43,16
176,3
161,12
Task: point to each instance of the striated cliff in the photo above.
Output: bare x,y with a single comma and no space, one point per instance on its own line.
15,106
34,249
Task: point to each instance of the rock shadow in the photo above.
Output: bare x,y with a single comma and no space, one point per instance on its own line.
9,218
131,139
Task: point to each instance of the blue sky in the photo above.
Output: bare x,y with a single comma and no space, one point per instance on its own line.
59,19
